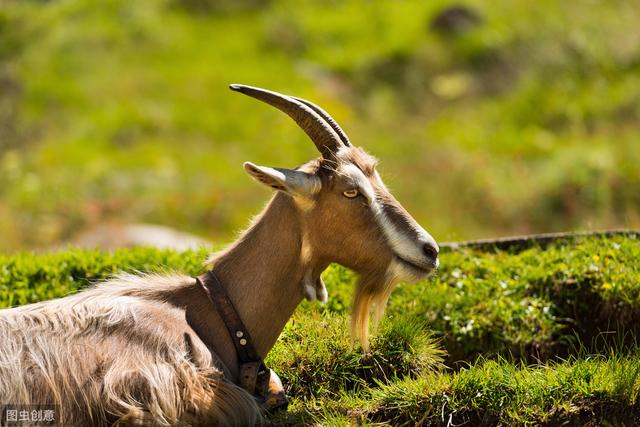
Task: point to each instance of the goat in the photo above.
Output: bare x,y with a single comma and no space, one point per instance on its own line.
151,349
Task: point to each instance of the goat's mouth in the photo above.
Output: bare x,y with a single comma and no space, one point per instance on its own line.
419,270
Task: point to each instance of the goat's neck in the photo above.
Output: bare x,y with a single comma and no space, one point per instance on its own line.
262,274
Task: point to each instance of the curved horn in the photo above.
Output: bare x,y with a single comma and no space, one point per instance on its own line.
343,136
323,135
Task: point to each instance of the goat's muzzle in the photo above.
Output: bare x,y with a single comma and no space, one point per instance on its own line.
431,251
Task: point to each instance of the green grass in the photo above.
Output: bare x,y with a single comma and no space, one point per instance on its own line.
598,390
120,111
496,337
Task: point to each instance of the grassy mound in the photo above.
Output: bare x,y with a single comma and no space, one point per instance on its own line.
531,336
586,391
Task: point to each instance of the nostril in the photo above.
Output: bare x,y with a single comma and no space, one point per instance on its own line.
430,251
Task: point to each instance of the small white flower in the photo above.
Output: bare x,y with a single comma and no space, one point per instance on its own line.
468,327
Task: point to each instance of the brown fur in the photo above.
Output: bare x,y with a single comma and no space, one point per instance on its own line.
152,350
116,353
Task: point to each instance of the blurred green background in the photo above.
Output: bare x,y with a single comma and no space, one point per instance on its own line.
489,117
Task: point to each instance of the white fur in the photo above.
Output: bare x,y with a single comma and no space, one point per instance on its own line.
309,287
409,249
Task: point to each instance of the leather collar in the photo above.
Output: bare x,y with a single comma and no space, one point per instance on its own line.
254,375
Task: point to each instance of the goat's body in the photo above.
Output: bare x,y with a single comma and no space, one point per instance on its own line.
120,351
153,350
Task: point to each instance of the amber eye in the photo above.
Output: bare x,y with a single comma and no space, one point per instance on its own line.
351,193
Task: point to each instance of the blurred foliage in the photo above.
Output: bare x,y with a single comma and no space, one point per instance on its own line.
495,119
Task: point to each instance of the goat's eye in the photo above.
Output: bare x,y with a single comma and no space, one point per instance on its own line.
351,193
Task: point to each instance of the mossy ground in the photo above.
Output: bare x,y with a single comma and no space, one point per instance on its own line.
539,336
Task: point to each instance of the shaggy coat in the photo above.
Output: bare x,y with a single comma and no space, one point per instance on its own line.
152,350
119,352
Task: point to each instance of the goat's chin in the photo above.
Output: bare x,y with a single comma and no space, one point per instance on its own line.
373,291
402,270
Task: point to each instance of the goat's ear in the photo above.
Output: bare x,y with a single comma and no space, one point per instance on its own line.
296,183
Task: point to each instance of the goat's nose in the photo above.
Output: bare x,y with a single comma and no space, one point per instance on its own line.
431,251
